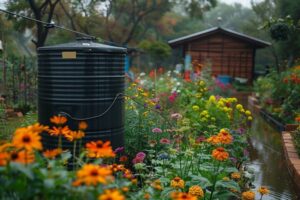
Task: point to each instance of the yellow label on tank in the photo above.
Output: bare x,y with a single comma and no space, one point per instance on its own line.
68,54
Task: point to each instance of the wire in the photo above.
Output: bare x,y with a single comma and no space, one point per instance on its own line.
47,25
93,117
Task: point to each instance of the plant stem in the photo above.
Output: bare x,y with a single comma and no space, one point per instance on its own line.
74,154
214,181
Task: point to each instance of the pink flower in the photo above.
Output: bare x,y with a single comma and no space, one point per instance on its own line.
172,98
156,130
141,155
165,141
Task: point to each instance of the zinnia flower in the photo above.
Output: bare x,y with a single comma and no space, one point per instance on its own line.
156,130
214,140
197,191
177,182
58,120
157,184
165,141
263,190
220,154
235,175
111,195
91,174
248,195
99,149
27,140
225,137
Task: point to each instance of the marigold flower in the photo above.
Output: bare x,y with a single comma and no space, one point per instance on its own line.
57,131
58,120
74,135
225,137
125,189
250,118
100,149
182,196
177,182
91,174
23,157
111,195
235,175
220,154
147,196
197,191
157,185
263,190
82,125
248,112
51,154
214,140
248,195
4,158
27,140
297,119
195,108
239,107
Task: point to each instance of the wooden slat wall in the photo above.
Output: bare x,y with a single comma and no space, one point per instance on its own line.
228,56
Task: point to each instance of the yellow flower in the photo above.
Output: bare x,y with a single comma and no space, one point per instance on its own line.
250,118
248,112
220,154
212,99
239,107
197,191
226,178
235,175
248,195
177,183
26,139
111,195
263,190
202,83
91,174
195,108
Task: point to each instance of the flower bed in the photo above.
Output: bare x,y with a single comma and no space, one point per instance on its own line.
181,142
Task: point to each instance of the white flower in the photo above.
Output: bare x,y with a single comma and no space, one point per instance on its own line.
142,74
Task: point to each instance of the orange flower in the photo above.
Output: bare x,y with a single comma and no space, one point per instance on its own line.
123,158
117,168
224,137
24,157
26,139
56,131
91,174
82,125
235,175
214,140
74,135
220,154
4,157
177,183
51,154
182,196
157,185
37,128
197,191
248,195
58,120
99,149
111,195
147,196
297,119
263,190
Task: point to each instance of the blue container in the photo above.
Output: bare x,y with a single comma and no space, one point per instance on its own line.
224,79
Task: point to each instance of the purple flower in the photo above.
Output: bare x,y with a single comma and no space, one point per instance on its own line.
157,106
246,152
200,139
156,130
145,105
119,149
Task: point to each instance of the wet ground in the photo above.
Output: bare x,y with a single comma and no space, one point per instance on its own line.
267,159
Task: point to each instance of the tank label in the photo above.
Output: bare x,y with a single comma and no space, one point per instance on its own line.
68,54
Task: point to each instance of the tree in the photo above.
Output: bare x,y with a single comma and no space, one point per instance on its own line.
39,10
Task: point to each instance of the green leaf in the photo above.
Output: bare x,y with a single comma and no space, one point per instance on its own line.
228,184
22,168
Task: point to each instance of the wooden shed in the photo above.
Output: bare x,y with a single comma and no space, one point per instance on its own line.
229,53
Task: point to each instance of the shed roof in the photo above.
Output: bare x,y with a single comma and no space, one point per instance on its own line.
195,36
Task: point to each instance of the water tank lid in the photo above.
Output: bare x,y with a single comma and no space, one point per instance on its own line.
84,44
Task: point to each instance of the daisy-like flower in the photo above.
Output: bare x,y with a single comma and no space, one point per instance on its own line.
100,149
37,128
51,154
91,174
57,131
111,195
4,158
58,120
23,157
27,140
74,135
82,125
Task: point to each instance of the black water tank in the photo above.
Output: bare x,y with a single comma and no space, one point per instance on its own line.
84,79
